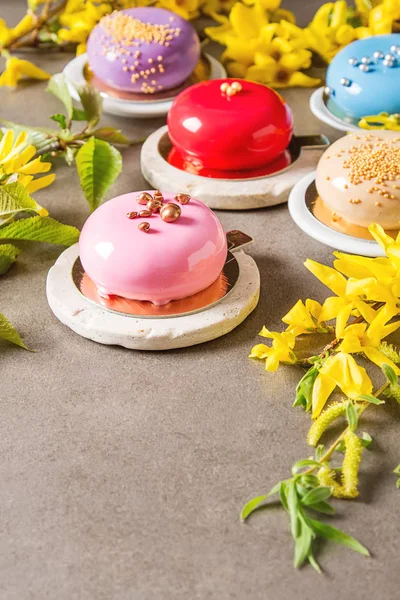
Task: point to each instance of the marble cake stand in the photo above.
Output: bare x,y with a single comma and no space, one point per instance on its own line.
148,333
229,194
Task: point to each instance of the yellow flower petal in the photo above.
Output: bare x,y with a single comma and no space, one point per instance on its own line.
379,358
299,316
42,182
35,166
352,379
338,16
332,307
299,59
345,35
246,21
6,144
17,69
299,79
341,320
322,389
328,276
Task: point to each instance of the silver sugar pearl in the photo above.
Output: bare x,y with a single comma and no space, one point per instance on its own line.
389,57
394,48
364,68
378,55
327,90
366,60
353,62
345,82
388,63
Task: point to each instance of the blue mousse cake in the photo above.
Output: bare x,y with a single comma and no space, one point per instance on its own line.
364,78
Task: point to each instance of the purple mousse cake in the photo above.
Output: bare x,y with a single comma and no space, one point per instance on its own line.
143,50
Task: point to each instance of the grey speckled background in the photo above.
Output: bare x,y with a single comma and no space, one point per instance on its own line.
122,473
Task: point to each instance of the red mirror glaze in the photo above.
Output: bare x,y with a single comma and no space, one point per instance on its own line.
194,166
245,131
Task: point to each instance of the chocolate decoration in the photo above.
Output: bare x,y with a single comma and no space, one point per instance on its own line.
132,215
154,205
144,198
170,212
144,226
145,213
182,198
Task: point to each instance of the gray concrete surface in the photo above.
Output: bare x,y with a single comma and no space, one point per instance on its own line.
123,473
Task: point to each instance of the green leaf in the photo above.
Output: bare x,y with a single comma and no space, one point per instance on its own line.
60,119
366,439
8,256
293,505
309,480
283,495
323,507
98,164
371,399
313,562
398,484
341,447
92,103
307,462
320,451
112,135
58,86
40,229
390,374
305,387
397,470
335,535
318,494
352,415
255,503
79,115
302,544
37,136
251,506
14,199
9,333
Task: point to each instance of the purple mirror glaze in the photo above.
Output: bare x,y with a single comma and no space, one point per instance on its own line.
143,50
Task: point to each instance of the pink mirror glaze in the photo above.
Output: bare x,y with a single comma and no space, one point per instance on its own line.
246,130
170,262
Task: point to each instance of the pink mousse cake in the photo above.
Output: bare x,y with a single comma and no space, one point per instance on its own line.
143,50
149,257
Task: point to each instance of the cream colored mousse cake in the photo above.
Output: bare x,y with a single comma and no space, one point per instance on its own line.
358,182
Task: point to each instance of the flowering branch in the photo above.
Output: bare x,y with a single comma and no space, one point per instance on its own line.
364,309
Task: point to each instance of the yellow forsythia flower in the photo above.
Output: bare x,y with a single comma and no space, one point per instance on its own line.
365,338
280,351
260,49
17,69
381,121
17,160
340,370
336,24
304,318
8,35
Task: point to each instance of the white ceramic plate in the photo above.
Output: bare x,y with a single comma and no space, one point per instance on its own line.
304,218
74,72
319,110
104,326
